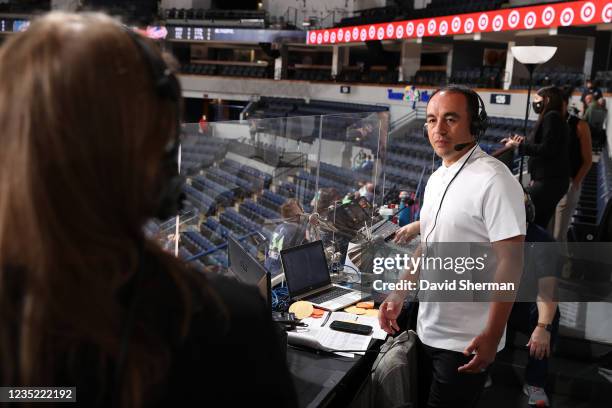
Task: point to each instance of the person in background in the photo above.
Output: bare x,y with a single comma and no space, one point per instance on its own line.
368,164
325,203
359,159
203,124
581,158
596,115
589,89
87,299
367,191
459,340
537,318
291,232
404,215
535,313
547,148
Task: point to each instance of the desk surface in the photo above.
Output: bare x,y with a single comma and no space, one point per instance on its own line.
317,376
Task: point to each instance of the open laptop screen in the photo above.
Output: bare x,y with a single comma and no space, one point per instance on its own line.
305,268
248,270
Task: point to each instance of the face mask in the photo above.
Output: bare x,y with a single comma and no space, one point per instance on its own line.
537,107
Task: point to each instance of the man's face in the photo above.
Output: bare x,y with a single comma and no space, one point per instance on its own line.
448,124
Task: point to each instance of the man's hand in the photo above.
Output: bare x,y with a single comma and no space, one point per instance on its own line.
407,233
484,348
388,312
539,343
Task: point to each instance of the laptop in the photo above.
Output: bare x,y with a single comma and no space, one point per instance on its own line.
248,270
307,277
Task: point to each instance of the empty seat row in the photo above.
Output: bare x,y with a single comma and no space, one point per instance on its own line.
204,203
226,70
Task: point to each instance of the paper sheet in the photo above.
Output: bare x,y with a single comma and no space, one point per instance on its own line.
336,340
377,332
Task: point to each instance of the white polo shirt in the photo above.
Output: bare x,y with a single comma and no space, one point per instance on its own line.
483,204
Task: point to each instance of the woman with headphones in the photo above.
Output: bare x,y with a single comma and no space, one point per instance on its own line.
86,299
547,148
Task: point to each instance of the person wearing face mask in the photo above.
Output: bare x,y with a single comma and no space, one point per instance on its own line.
581,158
547,148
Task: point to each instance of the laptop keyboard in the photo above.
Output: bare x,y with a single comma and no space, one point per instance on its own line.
328,295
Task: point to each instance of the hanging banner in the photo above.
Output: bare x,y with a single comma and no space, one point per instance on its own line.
575,13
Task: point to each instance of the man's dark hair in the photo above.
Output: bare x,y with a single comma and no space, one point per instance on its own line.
473,106
478,119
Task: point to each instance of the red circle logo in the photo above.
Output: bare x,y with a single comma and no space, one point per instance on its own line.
513,18
456,24
548,16
469,25
443,28
483,22
567,17
498,23
587,12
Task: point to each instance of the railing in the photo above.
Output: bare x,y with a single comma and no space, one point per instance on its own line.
402,121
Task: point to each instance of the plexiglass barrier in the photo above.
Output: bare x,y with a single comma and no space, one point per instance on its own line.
276,183
272,184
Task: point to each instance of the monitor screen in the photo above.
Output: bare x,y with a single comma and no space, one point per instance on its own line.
247,269
305,268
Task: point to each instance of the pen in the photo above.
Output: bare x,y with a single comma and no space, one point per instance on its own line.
326,319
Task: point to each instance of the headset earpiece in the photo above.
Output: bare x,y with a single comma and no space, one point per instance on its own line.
480,122
167,87
425,132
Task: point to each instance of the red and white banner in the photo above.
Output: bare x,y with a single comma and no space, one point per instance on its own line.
573,13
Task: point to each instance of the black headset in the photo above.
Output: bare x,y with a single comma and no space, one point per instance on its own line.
478,114
170,194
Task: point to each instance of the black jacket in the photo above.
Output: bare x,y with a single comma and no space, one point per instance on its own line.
237,368
231,356
548,148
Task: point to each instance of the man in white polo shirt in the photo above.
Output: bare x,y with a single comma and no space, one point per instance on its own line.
472,197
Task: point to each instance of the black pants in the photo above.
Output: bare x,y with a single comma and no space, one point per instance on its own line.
524,318
440,385
546,194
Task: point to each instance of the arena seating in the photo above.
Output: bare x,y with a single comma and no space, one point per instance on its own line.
200,152
304,74
371,15
484,77
603,80
221,194
223,69
434,8
593,217
450,7
253,18
557,75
